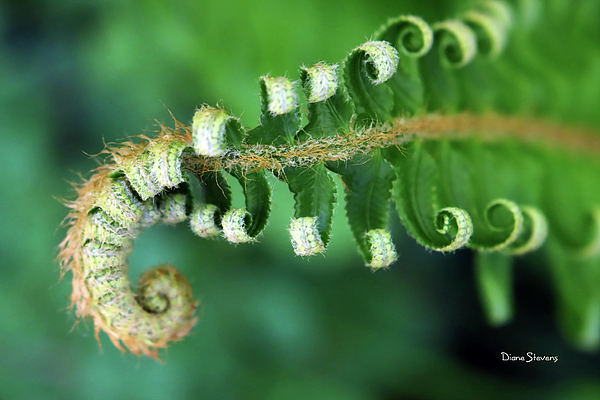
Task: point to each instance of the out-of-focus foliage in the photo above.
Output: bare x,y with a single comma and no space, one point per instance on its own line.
78,74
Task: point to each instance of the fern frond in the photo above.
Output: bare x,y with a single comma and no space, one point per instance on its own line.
456,121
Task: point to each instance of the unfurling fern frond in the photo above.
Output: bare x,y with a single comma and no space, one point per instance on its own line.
456,121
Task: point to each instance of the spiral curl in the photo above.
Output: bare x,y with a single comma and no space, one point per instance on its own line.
104,221
147,183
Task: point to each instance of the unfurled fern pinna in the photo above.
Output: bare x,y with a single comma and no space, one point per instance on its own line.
483,130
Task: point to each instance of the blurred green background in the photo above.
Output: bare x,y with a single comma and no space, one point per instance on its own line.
78,74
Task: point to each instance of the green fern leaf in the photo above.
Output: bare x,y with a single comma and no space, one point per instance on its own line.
257,192
577,282
314,195
493,273
280,118
417,201
329,111
365,69
367,181
413,38
216,191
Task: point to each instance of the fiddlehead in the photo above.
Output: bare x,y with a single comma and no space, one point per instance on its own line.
105,220
394,121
